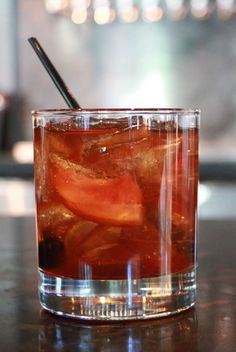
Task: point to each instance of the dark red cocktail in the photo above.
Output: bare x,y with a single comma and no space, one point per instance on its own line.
116,196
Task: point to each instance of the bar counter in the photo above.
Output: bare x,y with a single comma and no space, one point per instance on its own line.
210,326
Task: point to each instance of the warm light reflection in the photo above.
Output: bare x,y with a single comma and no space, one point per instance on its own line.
204,194
76,4
179,15
103,300
225,4
199,4
174,5
152,14
225,15
176,9
103,15
54,6
225,8
79,15
129,14
200,8
112,15
22,152
151,10
2,102
104,11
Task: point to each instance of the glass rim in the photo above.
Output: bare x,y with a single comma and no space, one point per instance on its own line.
114,111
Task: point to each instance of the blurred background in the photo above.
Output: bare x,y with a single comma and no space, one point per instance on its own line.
121,53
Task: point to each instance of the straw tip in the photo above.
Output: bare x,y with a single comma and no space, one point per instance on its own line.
32,39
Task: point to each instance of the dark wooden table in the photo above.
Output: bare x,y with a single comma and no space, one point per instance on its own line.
210,326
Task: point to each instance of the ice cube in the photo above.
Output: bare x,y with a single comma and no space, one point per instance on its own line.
135,149
109,261
54,220
87,235
65,164
114,153
87,243
149,161
57,144
77,235
180,222
182,228
116,140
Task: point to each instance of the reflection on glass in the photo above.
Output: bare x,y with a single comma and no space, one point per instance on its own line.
70,335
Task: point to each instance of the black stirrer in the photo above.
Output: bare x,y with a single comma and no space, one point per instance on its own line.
58,81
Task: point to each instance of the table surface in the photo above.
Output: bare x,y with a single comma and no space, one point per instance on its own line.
210,326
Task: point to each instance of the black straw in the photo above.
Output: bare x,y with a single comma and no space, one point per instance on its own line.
58,81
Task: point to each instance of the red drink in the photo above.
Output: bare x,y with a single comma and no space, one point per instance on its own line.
116,197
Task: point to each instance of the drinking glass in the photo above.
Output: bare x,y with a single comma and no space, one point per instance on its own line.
116,199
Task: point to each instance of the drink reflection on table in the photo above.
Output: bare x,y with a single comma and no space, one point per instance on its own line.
160,334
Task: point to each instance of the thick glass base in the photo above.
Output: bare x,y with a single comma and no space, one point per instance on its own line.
118,299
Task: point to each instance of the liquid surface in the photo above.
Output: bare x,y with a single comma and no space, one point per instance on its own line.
116,201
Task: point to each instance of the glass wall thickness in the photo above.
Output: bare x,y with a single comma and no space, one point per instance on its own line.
116,197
